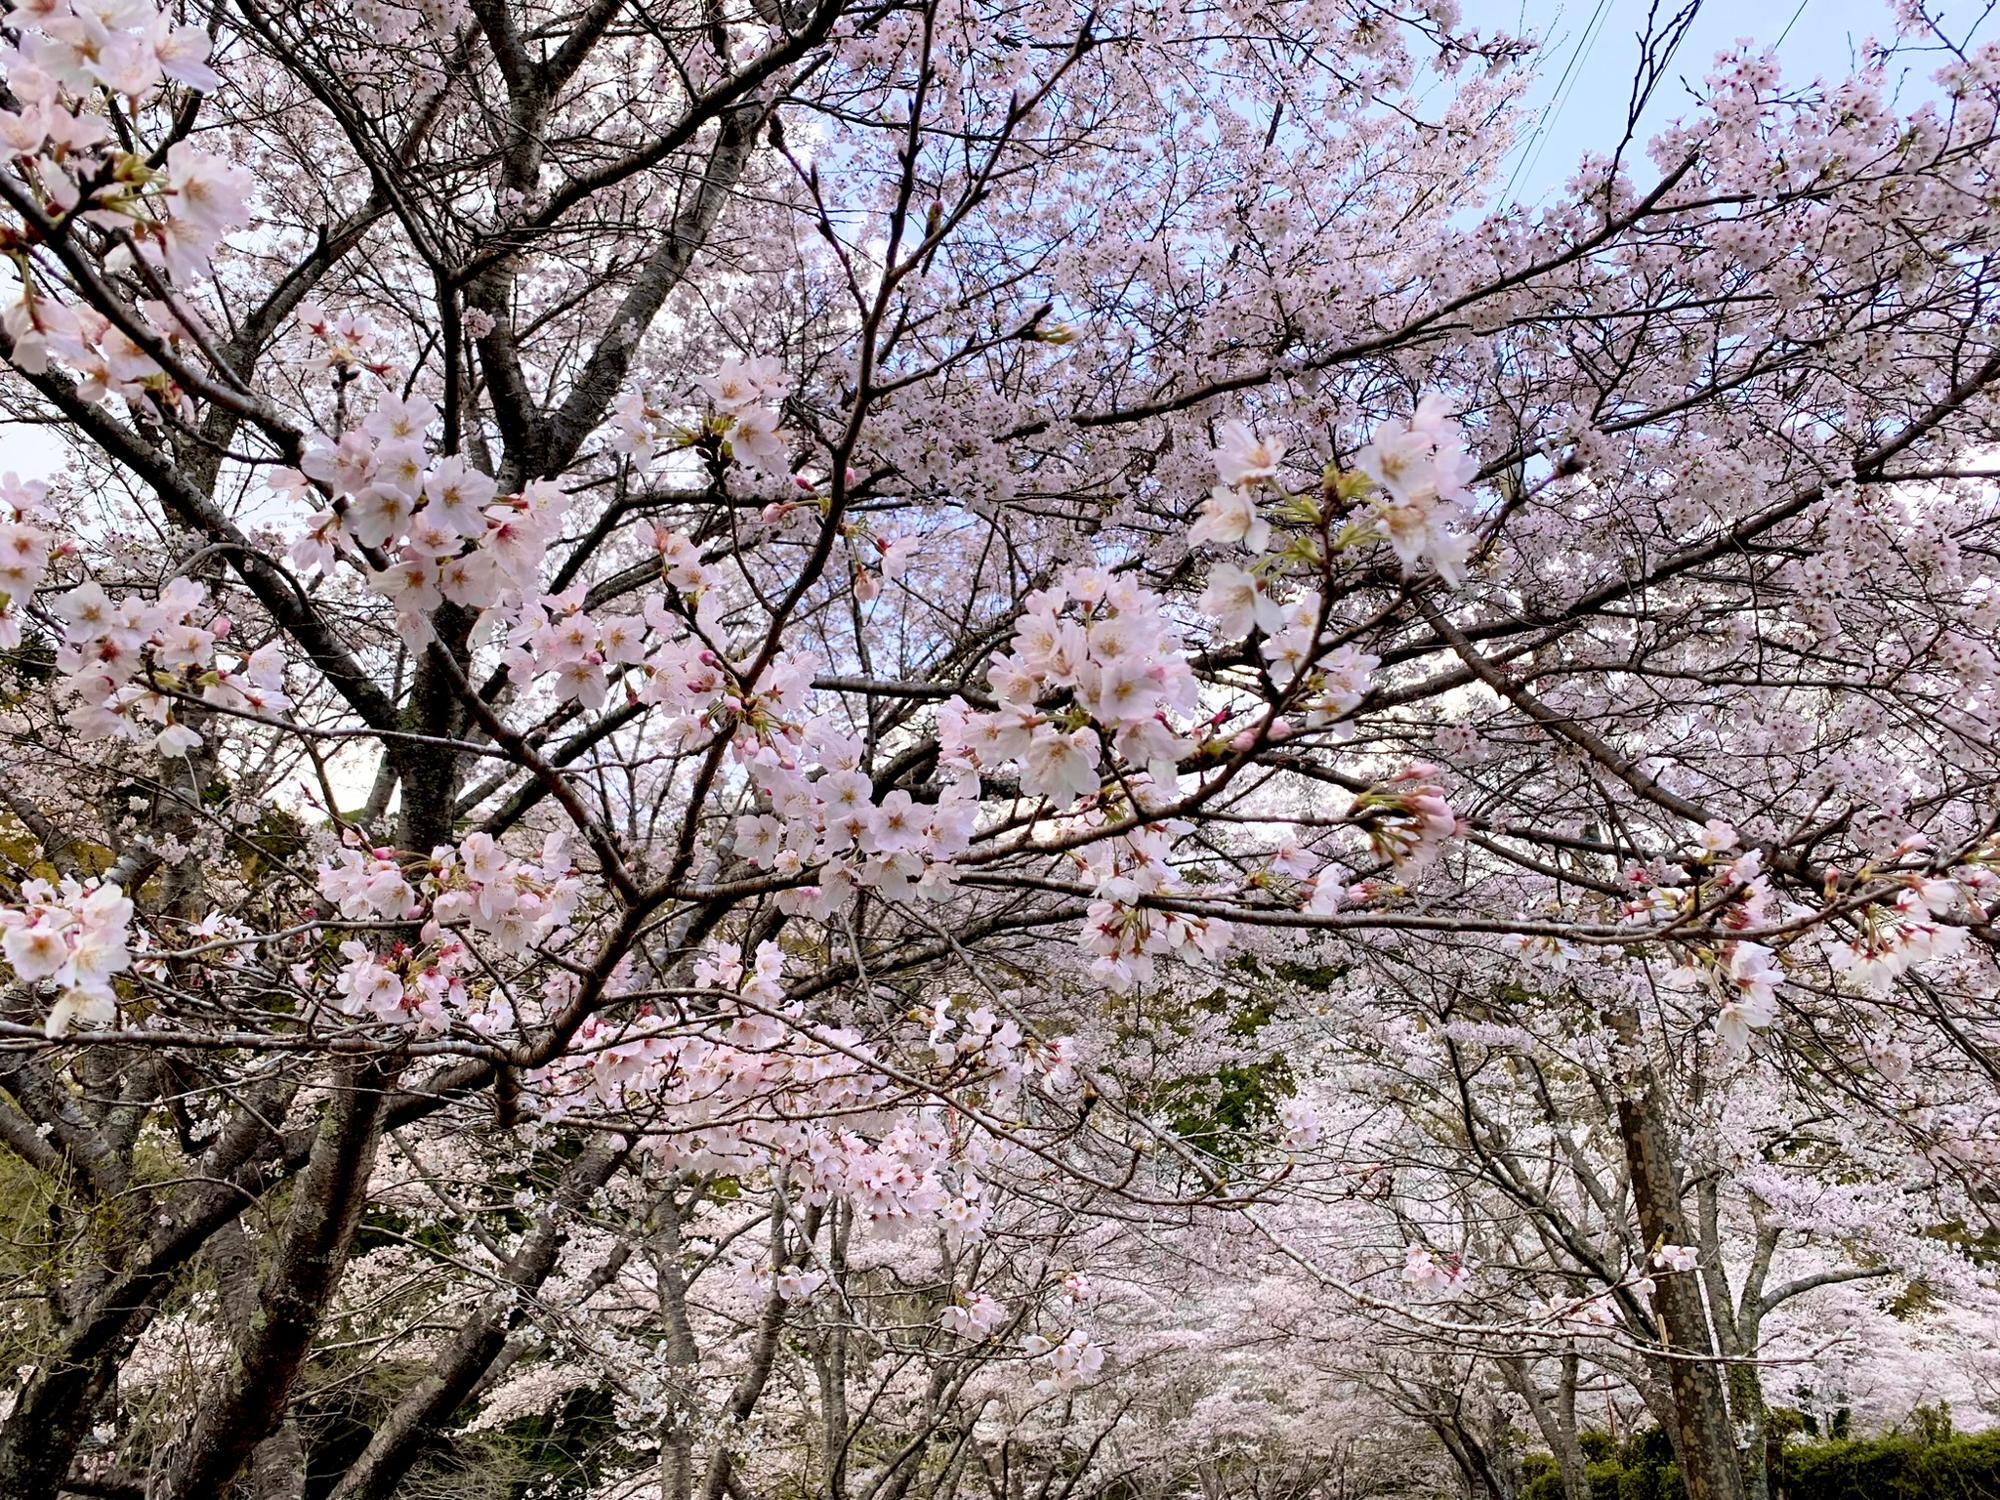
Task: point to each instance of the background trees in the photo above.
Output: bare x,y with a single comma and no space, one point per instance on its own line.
881,749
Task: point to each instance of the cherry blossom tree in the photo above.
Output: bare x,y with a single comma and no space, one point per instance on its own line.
1506,1196
718,696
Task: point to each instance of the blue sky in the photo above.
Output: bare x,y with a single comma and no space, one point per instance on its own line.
1579,99
1591,46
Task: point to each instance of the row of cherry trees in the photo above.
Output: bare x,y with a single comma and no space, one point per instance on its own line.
875,749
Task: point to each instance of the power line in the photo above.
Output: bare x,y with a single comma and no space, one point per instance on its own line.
1790,24
1531,148
1563,102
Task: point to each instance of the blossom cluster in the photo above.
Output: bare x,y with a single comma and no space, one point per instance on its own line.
1750,1002
344,343
746,394
1431,1273
125,47
1068,1362
892,556
1743,975
25,547
830,824
1420,469
795,1285
983,1044
105,358
131,661
1407,818
979,1316
76,937
1676,1258
1423,469
752,1086
1890,937
1323,685
476,886
1125,935
1298,1124
401,988
640,429
440,526
1230,516
688,670
516,904
69,62
367,885
1893,941
1094,659
389,24
554,638
1321,889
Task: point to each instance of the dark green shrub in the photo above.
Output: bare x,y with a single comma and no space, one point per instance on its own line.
1929,1464
1894,1468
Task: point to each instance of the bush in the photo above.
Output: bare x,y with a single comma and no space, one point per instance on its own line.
1939,1467
1895,1468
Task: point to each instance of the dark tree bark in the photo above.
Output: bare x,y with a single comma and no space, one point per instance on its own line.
326,1209
399,1438
1703,1434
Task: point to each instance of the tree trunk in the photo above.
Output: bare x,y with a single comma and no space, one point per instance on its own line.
278,1467
1704,1438
457,1368
1746,1400
252,1399
677,1428
1555,1421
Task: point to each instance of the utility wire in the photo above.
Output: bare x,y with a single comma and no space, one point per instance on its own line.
1790,24
1531,148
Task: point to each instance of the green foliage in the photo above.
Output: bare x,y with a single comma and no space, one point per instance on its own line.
1598,1447
1896,1468
1640,1469
1231,1111
1643,1482
1931,1424
1788,1422
20,858
279,836
31,663
1980,1246
1928,1463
